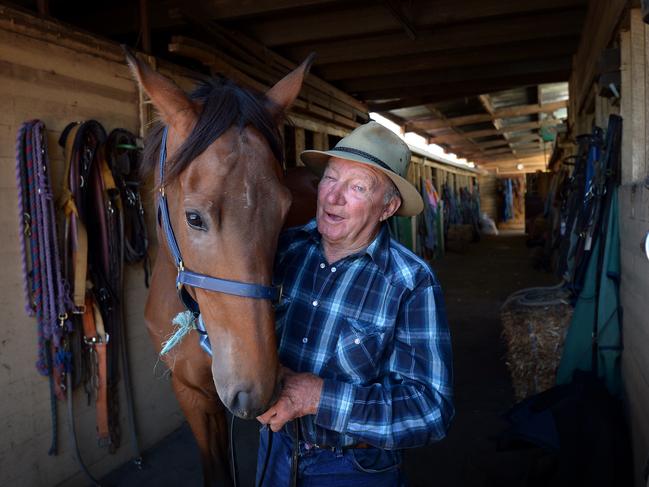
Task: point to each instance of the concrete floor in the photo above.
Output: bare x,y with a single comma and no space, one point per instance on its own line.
475,284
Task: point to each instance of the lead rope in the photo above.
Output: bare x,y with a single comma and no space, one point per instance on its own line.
268,450
233,457
43,286
130,408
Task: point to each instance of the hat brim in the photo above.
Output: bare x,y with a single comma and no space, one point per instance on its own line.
411,202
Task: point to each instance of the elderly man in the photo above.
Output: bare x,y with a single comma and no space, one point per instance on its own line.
362,328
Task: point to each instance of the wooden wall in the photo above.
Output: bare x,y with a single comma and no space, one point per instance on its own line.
634,225
489,196
611,25
422,166
60,79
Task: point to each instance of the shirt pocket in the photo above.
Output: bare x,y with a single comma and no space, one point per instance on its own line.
358,351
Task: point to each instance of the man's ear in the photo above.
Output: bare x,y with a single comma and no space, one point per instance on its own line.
283,94
391,207
173,105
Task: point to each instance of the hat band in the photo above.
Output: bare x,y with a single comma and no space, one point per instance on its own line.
366,155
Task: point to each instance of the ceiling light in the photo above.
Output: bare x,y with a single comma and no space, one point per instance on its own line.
520,167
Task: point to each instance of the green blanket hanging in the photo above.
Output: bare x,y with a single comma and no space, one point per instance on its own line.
577,352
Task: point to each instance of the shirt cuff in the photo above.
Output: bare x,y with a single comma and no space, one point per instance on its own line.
335,406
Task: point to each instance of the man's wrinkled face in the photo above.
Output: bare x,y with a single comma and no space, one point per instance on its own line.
350,203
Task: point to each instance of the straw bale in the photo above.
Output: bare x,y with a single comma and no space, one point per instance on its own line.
534,335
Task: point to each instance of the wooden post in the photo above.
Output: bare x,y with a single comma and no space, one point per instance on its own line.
320,141
145,27
299,145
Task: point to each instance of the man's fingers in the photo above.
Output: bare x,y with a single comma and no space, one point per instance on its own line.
283,414
266,417
278,421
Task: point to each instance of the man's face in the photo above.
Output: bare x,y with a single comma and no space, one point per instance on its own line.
350,203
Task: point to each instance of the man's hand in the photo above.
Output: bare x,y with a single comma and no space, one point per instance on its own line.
300,396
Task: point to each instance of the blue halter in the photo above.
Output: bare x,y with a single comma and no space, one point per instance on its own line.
188,278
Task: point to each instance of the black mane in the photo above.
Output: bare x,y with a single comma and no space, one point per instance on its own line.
224,104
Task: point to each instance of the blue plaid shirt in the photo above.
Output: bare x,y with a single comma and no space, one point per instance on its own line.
373,326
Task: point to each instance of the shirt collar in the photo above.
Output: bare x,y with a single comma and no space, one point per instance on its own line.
377,250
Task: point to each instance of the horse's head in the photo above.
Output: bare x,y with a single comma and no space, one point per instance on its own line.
227,205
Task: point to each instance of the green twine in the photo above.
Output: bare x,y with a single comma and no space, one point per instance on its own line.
185,322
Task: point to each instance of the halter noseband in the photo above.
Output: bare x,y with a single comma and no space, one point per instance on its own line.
188,278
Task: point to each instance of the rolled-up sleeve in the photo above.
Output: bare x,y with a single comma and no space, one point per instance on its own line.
411,403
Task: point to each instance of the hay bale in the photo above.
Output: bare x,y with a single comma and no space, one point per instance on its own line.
535,324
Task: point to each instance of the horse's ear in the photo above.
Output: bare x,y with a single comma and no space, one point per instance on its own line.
283,94
173,105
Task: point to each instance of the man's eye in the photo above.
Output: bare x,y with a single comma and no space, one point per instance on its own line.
194,220
360,189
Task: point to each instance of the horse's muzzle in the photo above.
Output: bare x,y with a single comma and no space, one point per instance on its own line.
245,406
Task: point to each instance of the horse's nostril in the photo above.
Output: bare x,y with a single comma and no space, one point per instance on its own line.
242,404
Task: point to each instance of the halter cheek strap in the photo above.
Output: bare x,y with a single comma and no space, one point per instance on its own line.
186,277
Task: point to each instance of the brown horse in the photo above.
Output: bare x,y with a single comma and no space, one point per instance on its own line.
227,204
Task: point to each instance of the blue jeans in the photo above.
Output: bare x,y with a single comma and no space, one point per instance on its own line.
361,467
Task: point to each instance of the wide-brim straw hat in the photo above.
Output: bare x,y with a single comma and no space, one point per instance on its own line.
374,145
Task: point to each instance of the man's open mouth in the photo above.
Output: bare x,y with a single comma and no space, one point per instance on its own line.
334,217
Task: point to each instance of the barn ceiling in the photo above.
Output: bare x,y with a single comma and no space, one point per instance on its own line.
486,79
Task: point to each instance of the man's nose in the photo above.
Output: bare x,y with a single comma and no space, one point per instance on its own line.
335,195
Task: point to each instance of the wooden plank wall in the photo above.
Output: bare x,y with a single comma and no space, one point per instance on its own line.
439,172
59,80
634,225
633,39
488,196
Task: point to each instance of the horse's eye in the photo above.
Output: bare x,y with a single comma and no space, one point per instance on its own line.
194,220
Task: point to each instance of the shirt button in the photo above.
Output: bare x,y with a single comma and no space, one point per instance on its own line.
333,269
357,341
322,265
305,340
315,303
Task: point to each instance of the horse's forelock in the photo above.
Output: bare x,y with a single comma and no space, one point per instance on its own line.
224,104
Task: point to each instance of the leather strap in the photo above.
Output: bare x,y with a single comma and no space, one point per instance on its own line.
80,237
96,339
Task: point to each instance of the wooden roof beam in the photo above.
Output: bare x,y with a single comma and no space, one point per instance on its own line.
492,32
235,9
508,112
466,139
485,101
453,58
343,22
441,139
535,158
395,99
463,145
397,12
369,88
